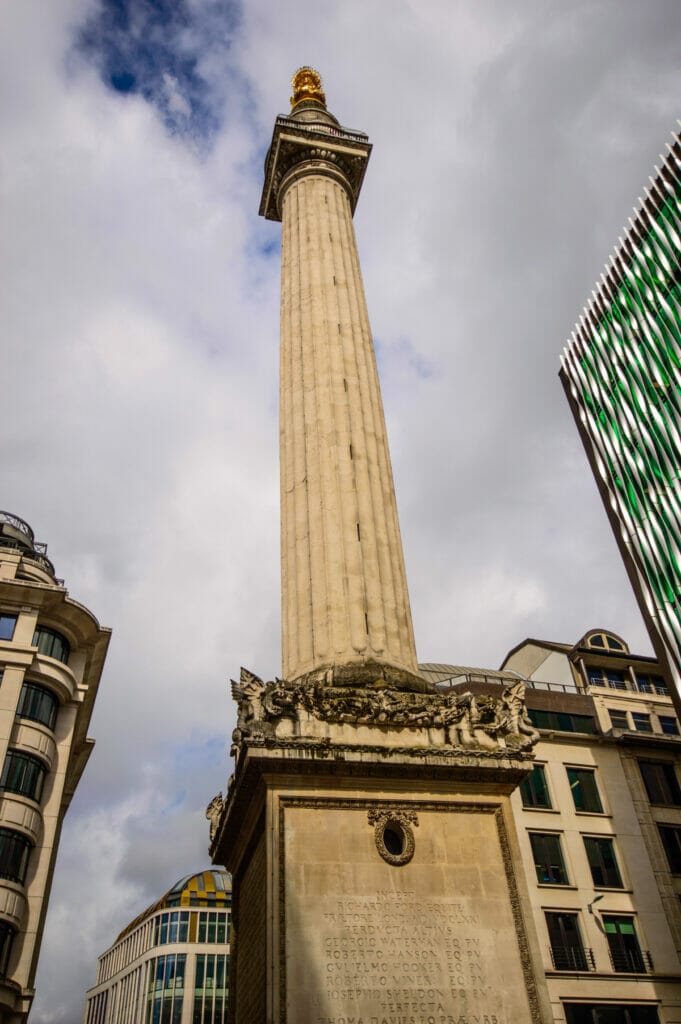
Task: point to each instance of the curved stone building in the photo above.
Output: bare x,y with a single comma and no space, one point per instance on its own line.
52,651
170,965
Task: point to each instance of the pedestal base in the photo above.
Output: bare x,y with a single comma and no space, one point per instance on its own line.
377,889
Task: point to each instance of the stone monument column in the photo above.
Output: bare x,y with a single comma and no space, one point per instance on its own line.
345,605
367,825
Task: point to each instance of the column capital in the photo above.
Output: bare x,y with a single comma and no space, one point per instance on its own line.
301,147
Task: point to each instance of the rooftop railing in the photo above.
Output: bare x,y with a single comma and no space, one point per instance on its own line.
483,677
325,129
19,524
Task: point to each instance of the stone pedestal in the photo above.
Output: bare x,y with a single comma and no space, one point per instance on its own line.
375,872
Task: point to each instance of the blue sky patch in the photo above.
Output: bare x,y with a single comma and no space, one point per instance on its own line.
161,50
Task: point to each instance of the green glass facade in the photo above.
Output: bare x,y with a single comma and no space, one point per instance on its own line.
622,373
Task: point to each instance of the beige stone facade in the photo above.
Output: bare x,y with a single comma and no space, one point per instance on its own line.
598,823
52,652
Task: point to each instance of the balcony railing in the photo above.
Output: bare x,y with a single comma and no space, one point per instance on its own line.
610,684
631,961
19,524
572,958
501,680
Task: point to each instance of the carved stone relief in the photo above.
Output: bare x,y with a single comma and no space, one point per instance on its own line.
455,720
393,833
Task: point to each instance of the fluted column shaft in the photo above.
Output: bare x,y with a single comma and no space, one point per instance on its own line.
344,590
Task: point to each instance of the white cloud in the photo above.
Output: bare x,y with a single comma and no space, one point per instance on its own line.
140,328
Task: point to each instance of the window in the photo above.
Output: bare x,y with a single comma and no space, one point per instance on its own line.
7,624
7,933
647,683
671,840
610,1013
213,927
618,719
661,783
611,677
560,721
533,789
23,774
211,989
14,854
51,643
548,858
669,725
584,790
171,927
605,642
625,952
38,704
165,991
567,950
641,722
600,853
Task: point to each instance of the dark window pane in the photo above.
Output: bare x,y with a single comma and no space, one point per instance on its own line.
618,719
671,840
7,624
51,643
597,640
561,722
615,679
595,675
38,704
7,933
548,858
23,774
533,789
669,725
600,853
661,783
567,950
14,853
610,1013
625,951
641,722
584,790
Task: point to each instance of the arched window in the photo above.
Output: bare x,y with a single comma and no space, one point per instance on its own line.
15,850
23,774
605,642
53,644
38,704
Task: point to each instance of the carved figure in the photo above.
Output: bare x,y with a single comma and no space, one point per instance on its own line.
214,813
512,717
248,694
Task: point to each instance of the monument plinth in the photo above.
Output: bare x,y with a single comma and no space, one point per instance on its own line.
367,824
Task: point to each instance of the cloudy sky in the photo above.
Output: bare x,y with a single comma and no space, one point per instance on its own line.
140,319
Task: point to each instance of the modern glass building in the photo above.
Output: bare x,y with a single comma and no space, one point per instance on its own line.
170,965
622,374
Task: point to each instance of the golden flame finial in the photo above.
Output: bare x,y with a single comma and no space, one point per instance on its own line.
307,85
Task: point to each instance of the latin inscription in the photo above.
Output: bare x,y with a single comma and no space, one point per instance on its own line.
432,942
401,959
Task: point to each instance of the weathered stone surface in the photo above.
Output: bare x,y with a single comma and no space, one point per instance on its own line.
313,712
438,938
